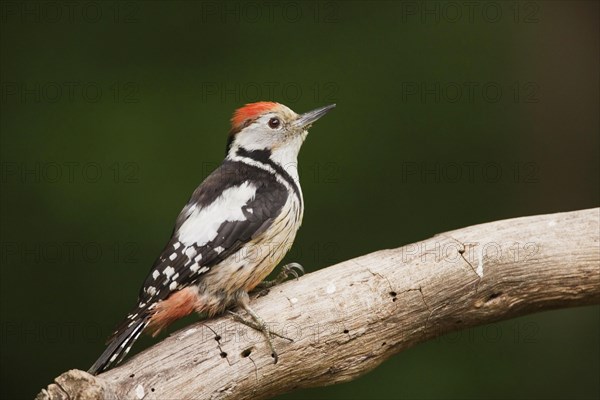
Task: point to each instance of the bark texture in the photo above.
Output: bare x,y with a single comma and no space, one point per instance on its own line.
348,318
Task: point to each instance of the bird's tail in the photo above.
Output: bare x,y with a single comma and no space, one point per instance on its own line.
119,344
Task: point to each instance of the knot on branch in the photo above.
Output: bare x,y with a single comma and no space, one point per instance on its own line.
76,384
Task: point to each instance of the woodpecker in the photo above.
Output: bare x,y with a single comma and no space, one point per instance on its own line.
234,230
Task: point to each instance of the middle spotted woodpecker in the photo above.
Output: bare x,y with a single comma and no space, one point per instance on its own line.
235,229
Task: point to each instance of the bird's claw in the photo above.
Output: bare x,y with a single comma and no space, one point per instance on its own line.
252,324
292,269
257,324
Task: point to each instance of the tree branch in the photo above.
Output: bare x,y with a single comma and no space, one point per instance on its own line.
346,319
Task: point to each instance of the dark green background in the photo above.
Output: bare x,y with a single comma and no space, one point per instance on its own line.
93,179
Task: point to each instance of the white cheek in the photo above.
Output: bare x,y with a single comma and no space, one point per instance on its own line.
256,137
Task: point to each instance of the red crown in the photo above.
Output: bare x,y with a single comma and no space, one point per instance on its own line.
250,112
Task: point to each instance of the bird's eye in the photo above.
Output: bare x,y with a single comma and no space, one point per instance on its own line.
274,123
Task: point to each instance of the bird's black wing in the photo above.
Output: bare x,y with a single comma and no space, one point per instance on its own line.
232,206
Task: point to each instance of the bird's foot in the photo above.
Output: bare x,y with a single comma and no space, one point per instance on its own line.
257,323
289,270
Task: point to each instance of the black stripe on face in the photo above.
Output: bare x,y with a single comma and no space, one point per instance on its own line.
264,157
233,133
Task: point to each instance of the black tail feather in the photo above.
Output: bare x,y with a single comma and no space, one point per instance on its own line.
119,346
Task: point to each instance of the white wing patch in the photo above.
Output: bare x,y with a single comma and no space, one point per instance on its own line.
202,225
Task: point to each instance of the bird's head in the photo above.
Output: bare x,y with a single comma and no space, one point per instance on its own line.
271,127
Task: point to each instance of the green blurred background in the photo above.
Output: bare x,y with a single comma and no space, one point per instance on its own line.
449,114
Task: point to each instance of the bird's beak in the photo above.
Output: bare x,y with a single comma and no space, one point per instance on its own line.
306,119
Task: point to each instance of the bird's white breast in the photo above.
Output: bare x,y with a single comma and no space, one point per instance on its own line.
251,264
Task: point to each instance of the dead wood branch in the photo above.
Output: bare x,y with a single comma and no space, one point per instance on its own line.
346,319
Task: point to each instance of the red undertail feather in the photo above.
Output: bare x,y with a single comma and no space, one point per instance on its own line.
174,307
